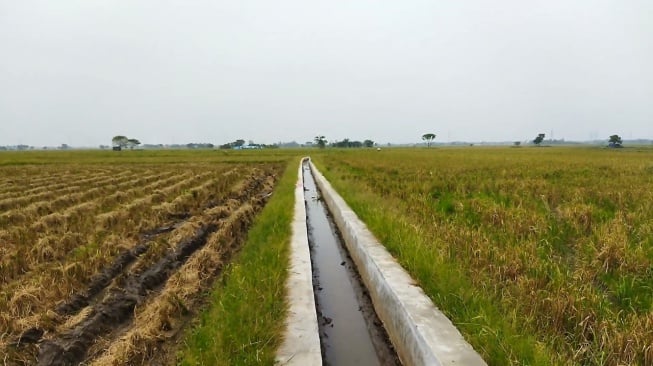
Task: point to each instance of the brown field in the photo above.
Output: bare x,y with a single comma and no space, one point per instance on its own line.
104,263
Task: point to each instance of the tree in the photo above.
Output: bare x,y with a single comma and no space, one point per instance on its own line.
321,141
368,143
132,143
538,140
428,137
615,141
119,141
347,143
343,143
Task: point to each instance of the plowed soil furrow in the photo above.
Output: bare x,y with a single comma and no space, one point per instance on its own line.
53,201
130,211
50,181
54,226
65,185
26,212
49,193
100,281
83,178
124,192
23,176
141,208
104,269
150,338
63,213
118,306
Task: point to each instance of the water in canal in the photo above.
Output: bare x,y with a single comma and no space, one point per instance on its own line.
350,332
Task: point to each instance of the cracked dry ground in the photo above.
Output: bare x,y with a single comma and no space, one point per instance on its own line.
131,309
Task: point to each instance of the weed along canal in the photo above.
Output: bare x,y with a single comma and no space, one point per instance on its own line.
350,332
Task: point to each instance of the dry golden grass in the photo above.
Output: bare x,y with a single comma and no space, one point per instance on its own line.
163,316
79,217
552,248
73,234
76,220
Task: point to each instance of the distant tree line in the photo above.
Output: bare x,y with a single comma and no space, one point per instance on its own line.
321,142
21,147
195,145
614,141
352,144
240,144
231,145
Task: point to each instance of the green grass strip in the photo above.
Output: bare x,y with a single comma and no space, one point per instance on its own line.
245,321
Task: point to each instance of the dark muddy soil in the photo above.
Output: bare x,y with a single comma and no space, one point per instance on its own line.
100,281
118,307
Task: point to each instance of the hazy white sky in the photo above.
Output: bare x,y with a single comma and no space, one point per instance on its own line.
163,71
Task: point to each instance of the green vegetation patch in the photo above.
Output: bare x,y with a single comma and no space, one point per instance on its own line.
245,320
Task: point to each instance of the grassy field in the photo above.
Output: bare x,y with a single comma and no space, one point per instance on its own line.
110,254
539,255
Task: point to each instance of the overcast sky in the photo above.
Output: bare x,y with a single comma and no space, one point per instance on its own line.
80,72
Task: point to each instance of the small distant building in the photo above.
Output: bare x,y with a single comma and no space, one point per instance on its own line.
248,147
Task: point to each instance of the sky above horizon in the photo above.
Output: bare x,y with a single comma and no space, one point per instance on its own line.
80,72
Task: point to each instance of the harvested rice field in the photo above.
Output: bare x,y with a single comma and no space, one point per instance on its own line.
105,257
539,256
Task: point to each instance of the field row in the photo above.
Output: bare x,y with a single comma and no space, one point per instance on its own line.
65,245
58,184
89,215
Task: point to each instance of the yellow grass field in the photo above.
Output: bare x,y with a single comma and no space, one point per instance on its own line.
539,255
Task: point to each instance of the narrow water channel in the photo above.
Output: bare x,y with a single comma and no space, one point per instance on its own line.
350,332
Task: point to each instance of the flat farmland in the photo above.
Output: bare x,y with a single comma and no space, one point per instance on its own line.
105,256
538,255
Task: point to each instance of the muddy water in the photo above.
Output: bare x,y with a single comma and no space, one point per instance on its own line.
350,332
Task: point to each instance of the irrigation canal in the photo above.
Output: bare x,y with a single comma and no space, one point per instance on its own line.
350,331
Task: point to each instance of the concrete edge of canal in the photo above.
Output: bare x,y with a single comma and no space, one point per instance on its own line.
420,333
301,344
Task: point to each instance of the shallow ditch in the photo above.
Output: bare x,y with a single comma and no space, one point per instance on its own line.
350,331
